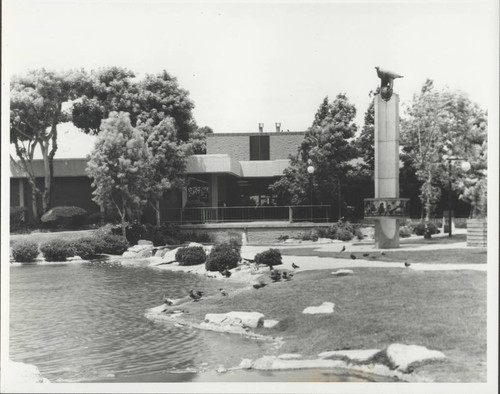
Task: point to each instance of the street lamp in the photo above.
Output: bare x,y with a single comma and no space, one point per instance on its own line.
310,170
465,165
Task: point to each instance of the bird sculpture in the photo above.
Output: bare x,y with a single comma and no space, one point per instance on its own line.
407,264
353,257
166,300
295,266
386,82
223,292
195,295
343,248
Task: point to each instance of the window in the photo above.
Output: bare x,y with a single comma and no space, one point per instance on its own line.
259,147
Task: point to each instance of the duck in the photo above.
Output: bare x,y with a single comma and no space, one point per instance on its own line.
195,295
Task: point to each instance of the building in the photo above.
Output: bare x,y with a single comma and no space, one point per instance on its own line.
235,173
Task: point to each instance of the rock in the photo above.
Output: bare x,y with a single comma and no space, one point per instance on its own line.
270,363
241,319
192,244
350,355
270,323
342,272
246,363
129,254
289,356
325,307
169,255
144,242
221,369
21,373
161,252
404,356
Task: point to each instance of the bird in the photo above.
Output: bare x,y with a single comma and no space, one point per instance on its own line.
195,295
290,275
223,292
343,248
366,254
294,266
383,254
275,275
374,257
353,257
386,82
407,264
166,300
225,272
284,275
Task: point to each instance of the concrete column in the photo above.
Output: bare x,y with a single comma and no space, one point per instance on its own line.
214,190
184,196
387,166
21,192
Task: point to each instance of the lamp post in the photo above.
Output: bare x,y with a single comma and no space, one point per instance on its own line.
310,170
465,167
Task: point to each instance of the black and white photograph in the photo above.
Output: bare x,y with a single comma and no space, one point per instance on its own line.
249,196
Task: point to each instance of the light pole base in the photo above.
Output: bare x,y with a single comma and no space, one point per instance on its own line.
386,233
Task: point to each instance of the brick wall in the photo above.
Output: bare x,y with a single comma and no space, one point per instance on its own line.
281,145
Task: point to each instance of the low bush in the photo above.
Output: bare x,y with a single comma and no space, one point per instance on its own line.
322,232
95,218
194,236
24,251
64,217
270,257
222,255
344,235
419,228
191,255
283,238
88,248
17,218
235,241
461,224
309,235
57,250
113,244
405,231
359,234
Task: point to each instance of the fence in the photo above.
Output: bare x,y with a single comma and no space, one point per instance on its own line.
291,213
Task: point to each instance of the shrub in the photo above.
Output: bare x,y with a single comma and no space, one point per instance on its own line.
223,255
461,224
194,236
331,232
359,234
88,248
344,235
64,217
113,244
17,218
57,250
405,231
309,236
322,232
191,255
235,241
283,237
24,251
269,257
347,226
419,228
95,218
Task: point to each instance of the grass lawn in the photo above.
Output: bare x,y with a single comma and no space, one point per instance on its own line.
442,256
375,307
41,237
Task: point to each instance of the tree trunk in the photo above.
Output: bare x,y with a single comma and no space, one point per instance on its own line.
158,218
124,226
428,205
34,205
47,179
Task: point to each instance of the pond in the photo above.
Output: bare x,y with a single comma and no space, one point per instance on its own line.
84,322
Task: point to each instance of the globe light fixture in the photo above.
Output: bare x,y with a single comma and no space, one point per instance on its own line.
465,166
310,170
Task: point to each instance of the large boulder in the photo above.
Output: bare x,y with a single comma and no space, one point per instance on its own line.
64,216
21,373
241,319
325,307
402,356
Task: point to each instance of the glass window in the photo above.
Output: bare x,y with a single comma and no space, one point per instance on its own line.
259,147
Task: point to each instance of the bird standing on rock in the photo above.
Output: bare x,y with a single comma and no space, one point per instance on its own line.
343,248
295,266
353,257
407,264
223,292
284,275
166,300
195,295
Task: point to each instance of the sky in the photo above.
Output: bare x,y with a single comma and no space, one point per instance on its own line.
252,62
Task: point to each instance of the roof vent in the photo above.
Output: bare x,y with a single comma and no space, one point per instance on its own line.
278,127
261,127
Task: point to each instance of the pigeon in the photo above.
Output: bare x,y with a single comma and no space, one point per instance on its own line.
366,254
223,292
225,272
284,275
166,300
275,275
353,257
343,248
407,264
383,254
290,275
294,266
195,295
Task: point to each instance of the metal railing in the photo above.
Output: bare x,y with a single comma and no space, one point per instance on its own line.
291,213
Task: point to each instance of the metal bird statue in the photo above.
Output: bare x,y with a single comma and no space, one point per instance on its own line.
386,82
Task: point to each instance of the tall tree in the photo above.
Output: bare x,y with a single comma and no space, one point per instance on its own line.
327,147
199,140
167,160
365,143
36,110
440,123
120,167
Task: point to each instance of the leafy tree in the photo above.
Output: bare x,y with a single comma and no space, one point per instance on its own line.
327,147
120,166
199,140
441,123
36,109
365,143
150,99
167,160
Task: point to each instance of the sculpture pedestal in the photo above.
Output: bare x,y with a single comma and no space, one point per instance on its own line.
387,167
